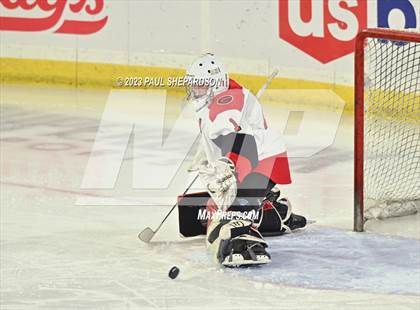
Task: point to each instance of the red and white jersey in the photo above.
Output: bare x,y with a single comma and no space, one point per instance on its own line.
237,110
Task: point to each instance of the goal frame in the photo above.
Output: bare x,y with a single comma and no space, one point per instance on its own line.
359,104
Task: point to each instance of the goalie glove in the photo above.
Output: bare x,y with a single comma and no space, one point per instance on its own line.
219,178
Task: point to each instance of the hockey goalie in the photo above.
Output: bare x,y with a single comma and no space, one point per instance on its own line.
244,164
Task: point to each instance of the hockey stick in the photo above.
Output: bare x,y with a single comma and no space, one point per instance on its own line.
268,82
147,234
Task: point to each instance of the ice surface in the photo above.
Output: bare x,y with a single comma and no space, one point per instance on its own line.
58,253
334,259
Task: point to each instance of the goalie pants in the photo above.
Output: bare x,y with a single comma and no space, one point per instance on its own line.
251,192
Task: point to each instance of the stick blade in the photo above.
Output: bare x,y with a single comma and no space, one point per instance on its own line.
146,235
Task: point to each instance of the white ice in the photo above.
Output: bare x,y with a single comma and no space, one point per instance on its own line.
60,253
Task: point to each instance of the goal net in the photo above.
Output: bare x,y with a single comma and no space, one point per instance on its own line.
387,125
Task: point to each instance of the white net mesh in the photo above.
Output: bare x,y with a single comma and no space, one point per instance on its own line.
392,128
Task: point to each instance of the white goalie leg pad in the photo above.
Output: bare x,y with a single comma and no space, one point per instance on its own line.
254,254
288,208
219,230
235,244
277,216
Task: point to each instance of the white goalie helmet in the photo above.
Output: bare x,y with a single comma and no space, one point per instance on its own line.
205,78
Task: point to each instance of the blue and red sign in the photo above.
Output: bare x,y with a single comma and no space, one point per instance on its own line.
326,29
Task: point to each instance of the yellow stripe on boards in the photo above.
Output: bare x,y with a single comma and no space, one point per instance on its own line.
104,76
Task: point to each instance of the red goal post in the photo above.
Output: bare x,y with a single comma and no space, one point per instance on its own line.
393,36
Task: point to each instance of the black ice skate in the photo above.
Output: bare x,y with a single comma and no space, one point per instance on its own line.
277,216
237,244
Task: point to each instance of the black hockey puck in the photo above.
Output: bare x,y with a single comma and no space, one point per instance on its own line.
173,272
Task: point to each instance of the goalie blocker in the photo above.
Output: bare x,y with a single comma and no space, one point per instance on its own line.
274,218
